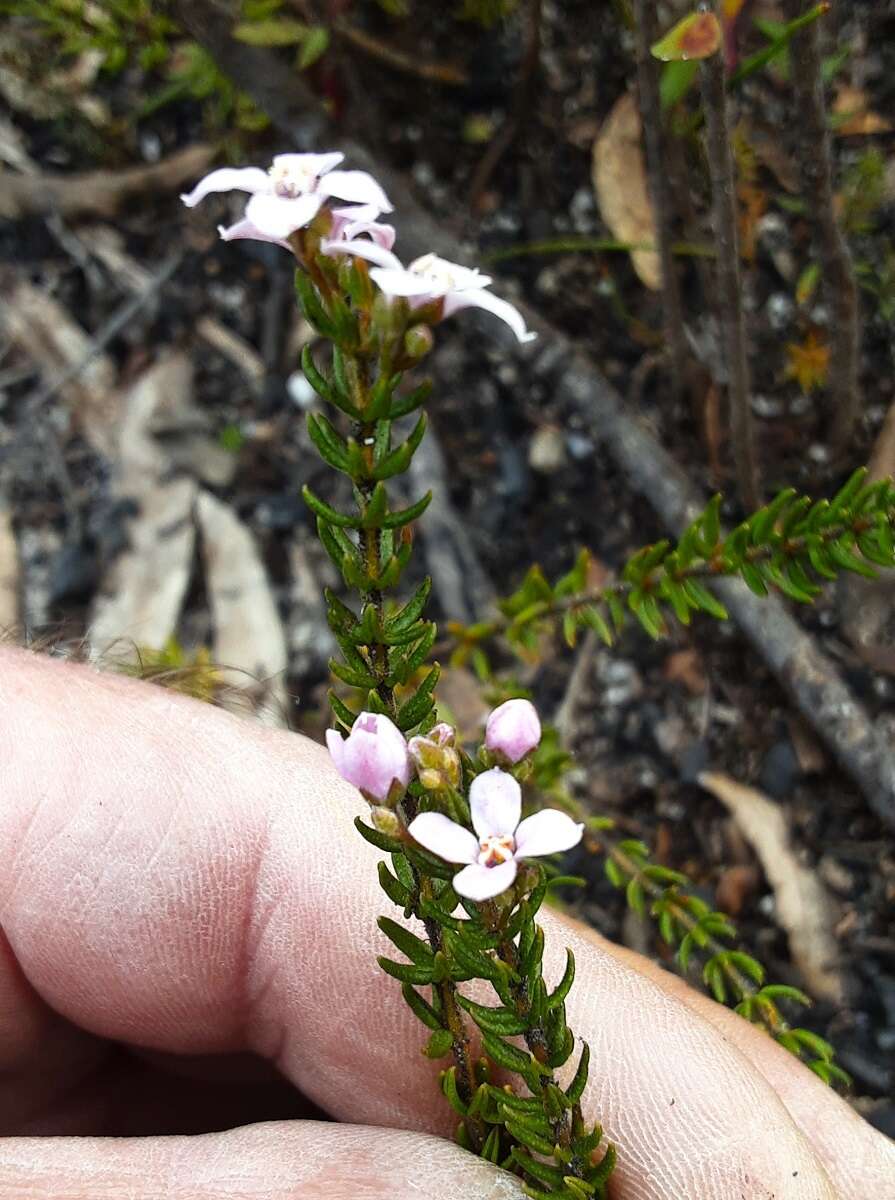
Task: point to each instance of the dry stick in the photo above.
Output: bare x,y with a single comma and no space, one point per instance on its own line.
660,191
814,152
714,99
812,680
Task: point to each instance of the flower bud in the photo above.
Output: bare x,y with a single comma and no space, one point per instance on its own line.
373,757
385,821
513,730
418,342
437,762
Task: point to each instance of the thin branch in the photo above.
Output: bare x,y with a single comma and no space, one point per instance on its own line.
729,282
815,155
432,72
660,191
508,132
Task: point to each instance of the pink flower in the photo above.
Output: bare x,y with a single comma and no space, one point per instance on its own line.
373,757
431,278
289,195
500,840
513,730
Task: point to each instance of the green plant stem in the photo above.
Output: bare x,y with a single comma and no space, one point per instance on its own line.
535,1036
450,1010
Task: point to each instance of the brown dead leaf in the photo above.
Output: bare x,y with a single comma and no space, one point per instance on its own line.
100,193
619,179
810,753
142,593
685,666
803,907
249,640
9,573
735,885
853,114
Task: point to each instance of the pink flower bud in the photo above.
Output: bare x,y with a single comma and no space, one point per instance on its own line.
373,757
513,730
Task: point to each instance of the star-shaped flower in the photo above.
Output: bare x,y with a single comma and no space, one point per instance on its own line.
429,279
493,852
289,195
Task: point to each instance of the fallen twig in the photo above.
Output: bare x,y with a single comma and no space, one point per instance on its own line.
100,193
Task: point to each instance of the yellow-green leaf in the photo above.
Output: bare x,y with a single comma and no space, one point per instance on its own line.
696,36
280,31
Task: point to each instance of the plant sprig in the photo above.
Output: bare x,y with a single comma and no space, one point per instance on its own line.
791,546
696,931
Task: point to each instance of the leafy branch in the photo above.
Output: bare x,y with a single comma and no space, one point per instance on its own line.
691,927
791,545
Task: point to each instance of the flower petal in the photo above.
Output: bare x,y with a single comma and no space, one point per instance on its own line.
357,186
444,837
484,883
547,832
495,799
371,251
245,229
456,277
310,164
335,743
397,282
228,179
278,216
479,298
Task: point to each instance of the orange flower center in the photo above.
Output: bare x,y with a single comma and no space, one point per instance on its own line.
496,849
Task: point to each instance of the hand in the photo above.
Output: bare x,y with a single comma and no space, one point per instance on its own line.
177,883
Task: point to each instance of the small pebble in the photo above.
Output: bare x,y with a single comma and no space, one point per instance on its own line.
547,450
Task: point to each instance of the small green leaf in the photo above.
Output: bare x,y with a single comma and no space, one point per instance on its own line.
278,31
499,1021
408,943
314,46
405,972
677,77
439,1044
575,1090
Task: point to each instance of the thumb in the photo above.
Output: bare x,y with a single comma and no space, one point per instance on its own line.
295,1160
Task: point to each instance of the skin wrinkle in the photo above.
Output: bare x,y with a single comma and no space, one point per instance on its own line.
645,1041
275,1161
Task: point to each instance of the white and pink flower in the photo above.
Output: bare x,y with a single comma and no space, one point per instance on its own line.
492,854
429,279
374,756
289,195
